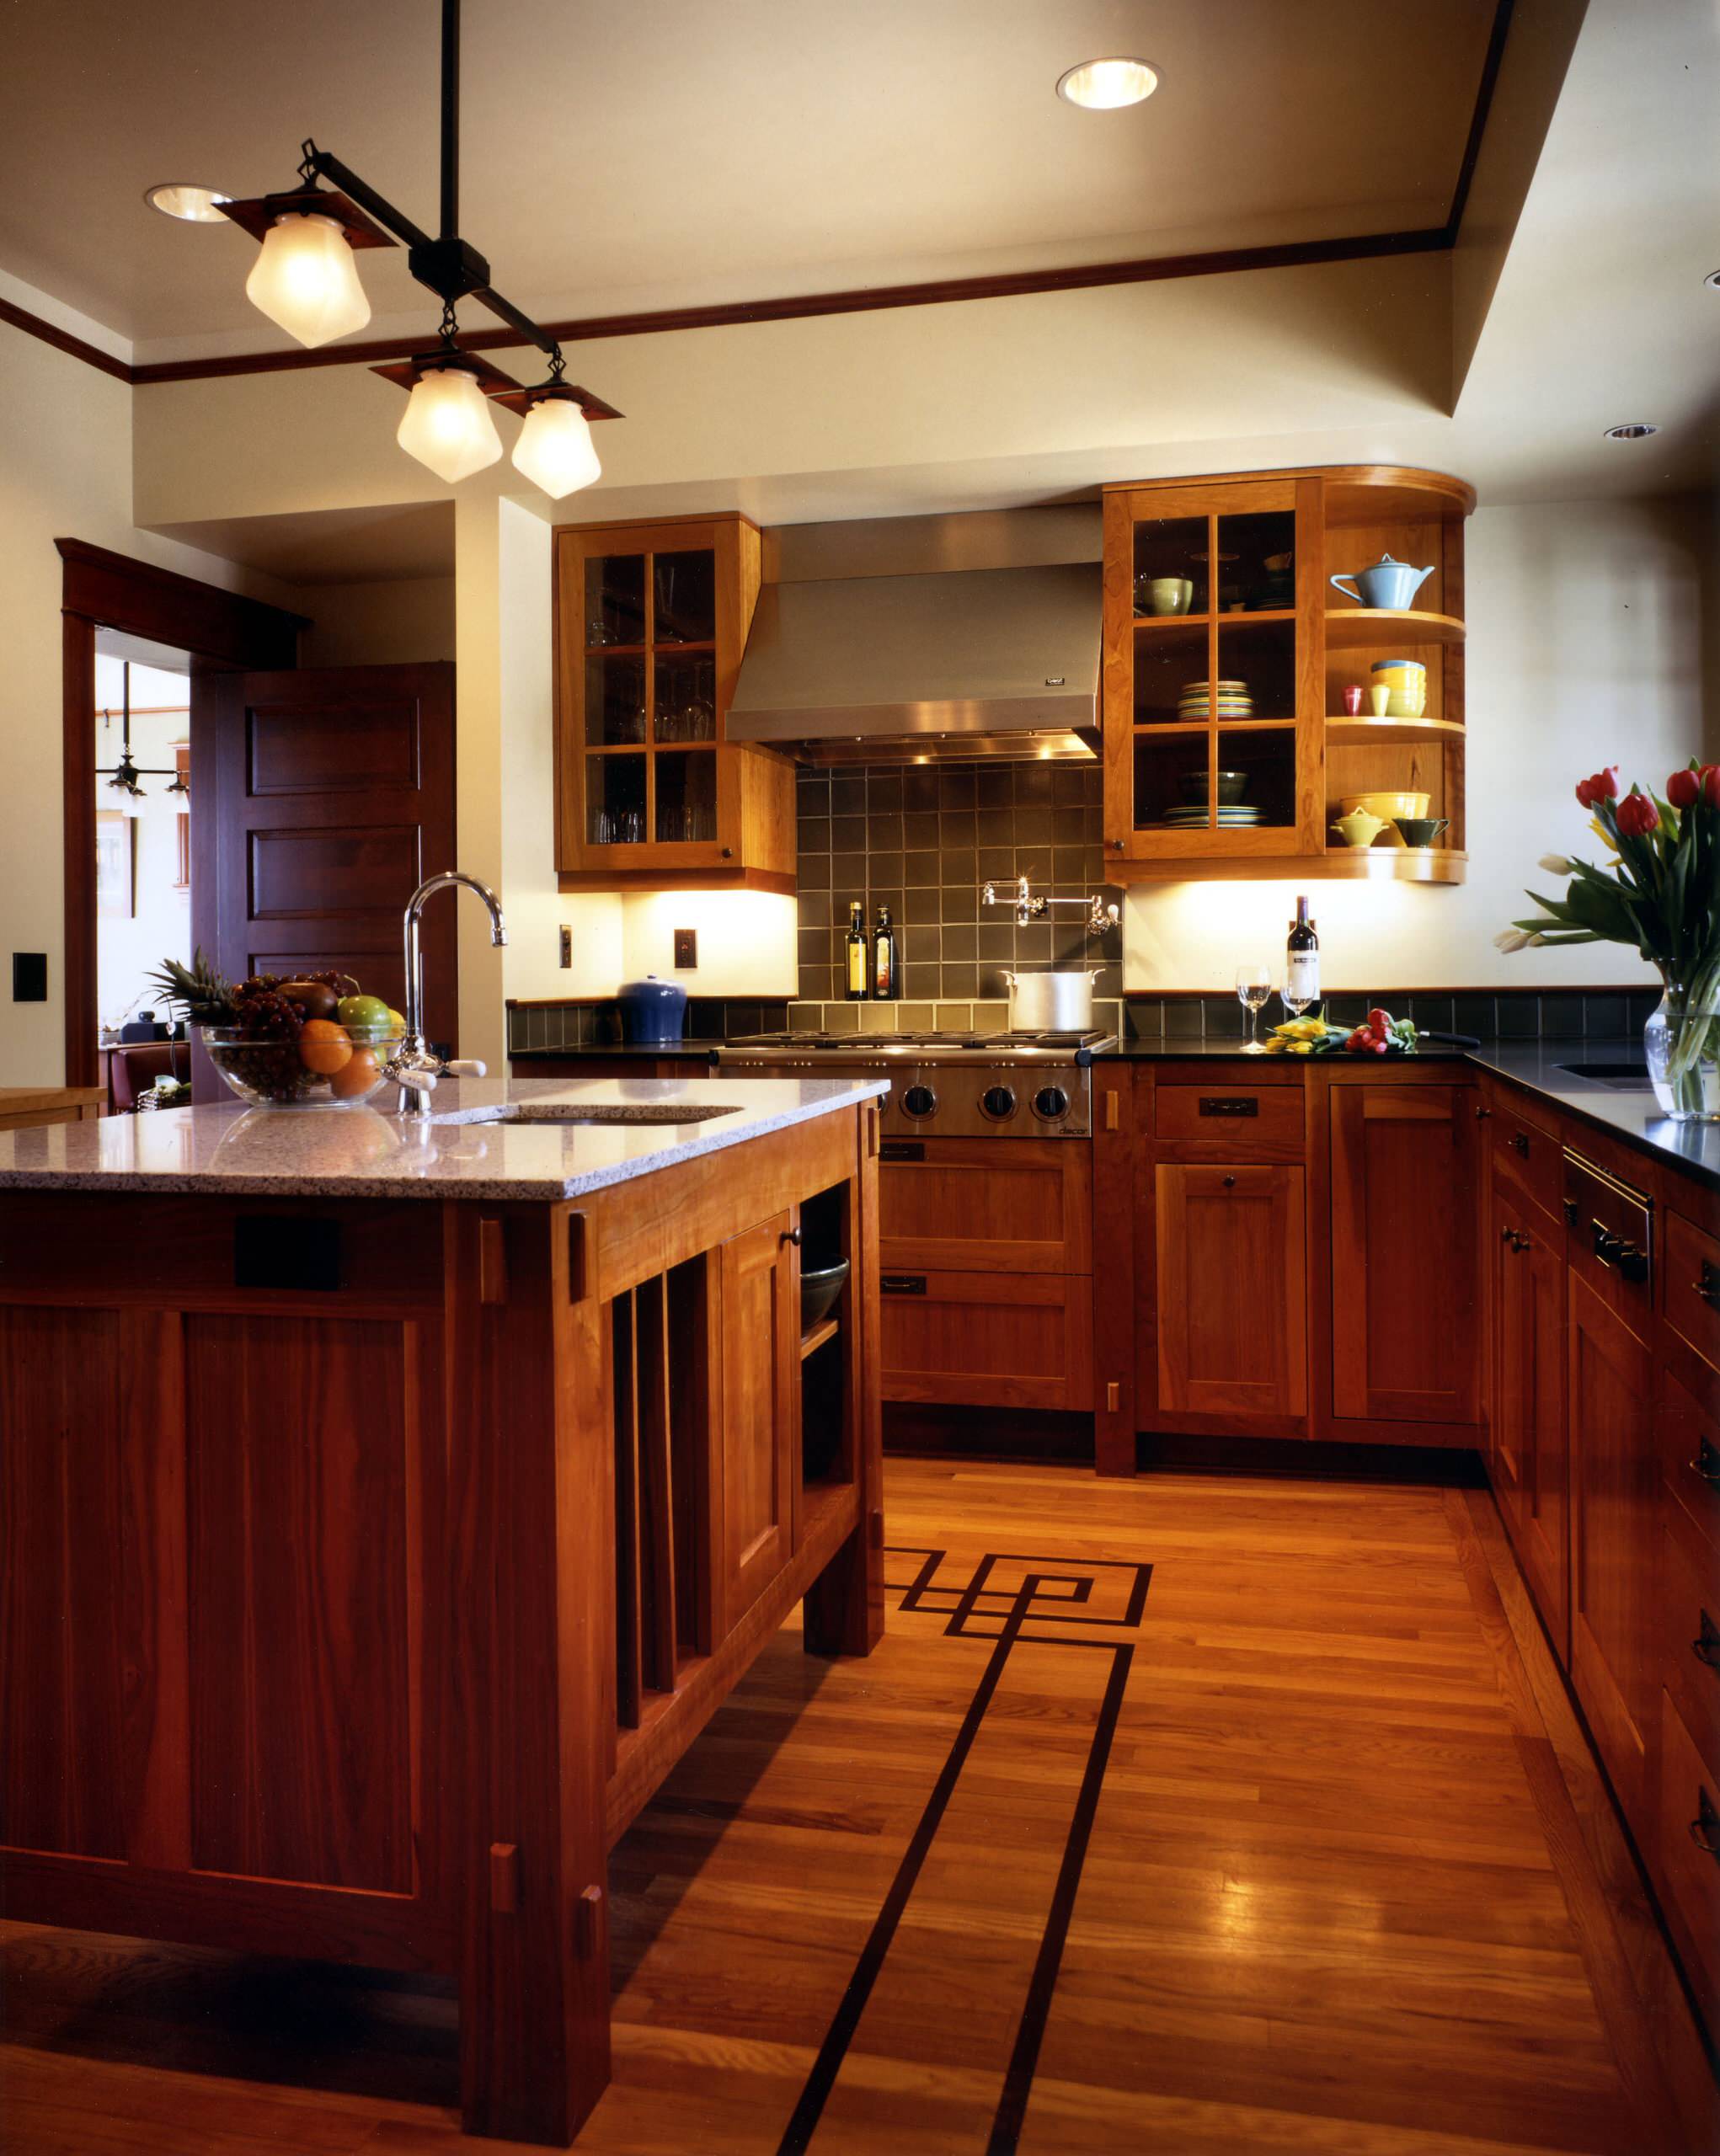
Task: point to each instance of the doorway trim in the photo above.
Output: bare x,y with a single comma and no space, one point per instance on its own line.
222,630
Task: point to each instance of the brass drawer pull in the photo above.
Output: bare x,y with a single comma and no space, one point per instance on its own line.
1706,1462
1706,1283
1703,1825
1243,1104
902,1283
1706,1646
1520,1142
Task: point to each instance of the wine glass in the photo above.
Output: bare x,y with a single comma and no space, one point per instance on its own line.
1253,986
1294,1000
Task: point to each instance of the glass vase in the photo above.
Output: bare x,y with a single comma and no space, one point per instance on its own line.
1683,1047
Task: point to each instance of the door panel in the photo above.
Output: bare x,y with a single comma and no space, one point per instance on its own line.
760,1429
1233,1290
1404,1335
978,1205
1614,1475
987,1339
330,792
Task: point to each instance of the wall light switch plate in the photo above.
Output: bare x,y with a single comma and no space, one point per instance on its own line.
686,950
567,945
29,976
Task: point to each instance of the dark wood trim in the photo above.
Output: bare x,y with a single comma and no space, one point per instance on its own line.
1478,118
221,630
62,340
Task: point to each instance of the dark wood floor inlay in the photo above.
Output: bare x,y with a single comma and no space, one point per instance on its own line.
1050,1591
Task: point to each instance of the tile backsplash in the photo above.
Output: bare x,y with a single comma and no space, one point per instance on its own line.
922,840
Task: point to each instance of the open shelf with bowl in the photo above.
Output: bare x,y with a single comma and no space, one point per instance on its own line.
1227,646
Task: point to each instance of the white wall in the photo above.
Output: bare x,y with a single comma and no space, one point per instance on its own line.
128,949
65,473
1592,633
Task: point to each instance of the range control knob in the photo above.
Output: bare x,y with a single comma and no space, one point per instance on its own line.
999,1102
919,1100
1051,1101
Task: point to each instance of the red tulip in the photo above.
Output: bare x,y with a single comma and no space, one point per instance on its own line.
1709,778
1637,816
1602,786
1682,787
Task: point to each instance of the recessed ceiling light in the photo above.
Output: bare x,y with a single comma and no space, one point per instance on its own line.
179,198
1107,85
1714,279
1638,430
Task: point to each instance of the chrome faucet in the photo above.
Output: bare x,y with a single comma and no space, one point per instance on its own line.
412,1067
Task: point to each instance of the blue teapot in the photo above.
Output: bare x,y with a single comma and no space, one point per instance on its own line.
1388,584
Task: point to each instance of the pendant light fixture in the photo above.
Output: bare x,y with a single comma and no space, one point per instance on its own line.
306,280
123,779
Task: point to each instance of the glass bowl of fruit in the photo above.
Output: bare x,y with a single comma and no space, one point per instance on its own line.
312,1040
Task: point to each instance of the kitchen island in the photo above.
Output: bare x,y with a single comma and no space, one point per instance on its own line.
389,1504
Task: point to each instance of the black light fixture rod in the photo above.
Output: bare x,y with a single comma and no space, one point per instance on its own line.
451,119
328,166
515,319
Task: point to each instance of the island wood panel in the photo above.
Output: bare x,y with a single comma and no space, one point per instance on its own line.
1230,1303
1403,1239
1118,1090
987,1339
1528,1460
986,1205
760,1423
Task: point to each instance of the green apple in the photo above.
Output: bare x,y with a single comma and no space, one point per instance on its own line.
366,1017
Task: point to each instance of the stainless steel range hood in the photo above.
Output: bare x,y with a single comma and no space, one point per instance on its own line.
920,636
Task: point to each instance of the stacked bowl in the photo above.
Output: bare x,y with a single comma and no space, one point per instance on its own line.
1407,681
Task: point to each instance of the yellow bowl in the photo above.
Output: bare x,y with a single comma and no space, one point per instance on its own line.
1386,807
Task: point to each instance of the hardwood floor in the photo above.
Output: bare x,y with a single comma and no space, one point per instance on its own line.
1194,1814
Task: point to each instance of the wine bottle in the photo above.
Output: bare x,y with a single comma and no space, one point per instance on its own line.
1301,977
884,985
859,958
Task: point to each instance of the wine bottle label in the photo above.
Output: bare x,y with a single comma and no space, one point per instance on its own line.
883,965
1302,976
857,969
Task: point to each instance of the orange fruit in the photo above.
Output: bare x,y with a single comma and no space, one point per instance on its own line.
357,1075
325,1047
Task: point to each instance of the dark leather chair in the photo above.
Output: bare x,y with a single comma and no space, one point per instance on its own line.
132,1071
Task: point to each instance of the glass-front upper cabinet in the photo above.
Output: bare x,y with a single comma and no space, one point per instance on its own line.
1212,671
652,619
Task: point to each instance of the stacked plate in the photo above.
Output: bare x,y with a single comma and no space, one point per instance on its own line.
1240,818
1233,700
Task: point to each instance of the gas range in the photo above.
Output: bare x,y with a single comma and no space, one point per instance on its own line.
950,1085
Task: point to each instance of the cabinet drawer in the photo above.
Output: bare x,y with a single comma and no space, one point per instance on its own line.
986,1339
1528,1156
1687,1875
986,1205
1693,1286
1688,1596
1238,1123
1690,1460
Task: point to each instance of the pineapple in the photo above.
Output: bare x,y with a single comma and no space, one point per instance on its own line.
197,989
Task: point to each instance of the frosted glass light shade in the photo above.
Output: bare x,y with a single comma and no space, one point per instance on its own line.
448,425
554,450
305,278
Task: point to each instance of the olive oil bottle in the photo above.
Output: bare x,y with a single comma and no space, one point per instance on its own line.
858,956
885,984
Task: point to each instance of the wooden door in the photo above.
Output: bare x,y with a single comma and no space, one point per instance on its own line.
1614,1482
975,1205
324,796
760,1423
987,1339
1404,1333
1530,1466
1231,1290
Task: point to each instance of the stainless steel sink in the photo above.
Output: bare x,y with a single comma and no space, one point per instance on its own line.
1616,1077
620,1112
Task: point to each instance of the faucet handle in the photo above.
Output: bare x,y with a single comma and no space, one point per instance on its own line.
465,1068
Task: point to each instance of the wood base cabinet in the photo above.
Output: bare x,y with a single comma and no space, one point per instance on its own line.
987,1339
1231,1302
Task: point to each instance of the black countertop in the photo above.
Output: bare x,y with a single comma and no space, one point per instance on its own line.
601,1050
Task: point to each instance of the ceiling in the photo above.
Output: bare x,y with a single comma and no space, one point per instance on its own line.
334,545
669,153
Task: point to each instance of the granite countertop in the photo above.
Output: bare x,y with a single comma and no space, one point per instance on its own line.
697,1050
1632,1117
461,1150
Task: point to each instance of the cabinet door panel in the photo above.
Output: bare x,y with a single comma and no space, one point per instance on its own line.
1231,1290
1614,1475
1687,1873
759,1421
987,1339
1404,1336
1530,1466
972,1205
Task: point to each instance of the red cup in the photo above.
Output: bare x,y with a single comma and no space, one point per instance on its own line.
1352,700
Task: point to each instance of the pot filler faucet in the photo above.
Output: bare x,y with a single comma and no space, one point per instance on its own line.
1029,908
413,1068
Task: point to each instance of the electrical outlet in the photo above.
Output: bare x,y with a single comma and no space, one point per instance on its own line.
567,945
686,950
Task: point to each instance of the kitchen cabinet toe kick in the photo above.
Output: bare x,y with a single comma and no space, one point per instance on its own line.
356,1621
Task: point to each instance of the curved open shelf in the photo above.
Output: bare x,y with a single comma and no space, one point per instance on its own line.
1365,731
1352,628
1382,864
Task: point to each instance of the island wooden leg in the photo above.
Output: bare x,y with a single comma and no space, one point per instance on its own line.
530,1616
843,1609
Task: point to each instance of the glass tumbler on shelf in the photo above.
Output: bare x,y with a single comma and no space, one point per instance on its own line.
1253,986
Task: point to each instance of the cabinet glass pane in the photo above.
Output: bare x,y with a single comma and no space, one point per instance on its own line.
685,701
685,597
1257,562
615,702
1170,553
1171,782
614,598
1257,664
1170,666
615,800
687,796
1257,778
